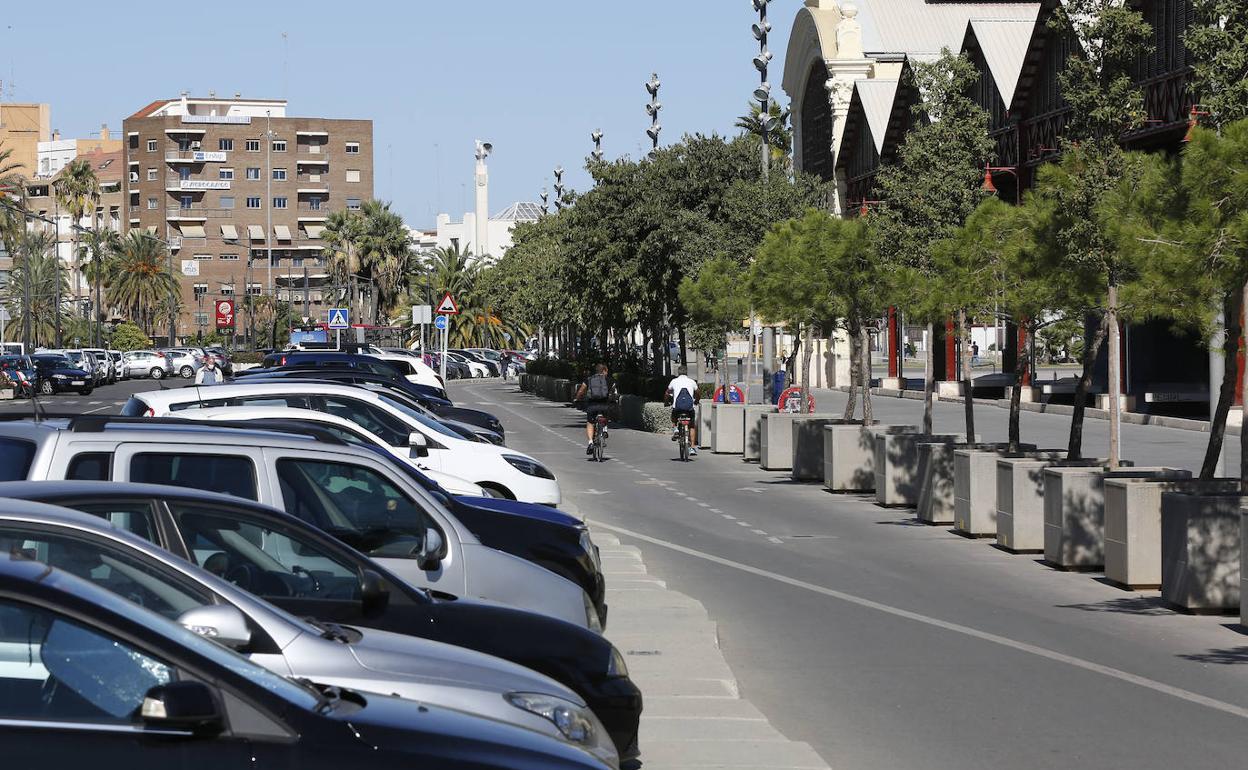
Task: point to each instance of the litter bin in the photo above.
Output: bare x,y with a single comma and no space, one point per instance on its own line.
779,382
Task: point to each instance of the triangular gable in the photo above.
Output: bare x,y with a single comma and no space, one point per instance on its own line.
1004,43
877,97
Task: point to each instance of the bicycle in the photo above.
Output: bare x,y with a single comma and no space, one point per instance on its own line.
682,435
600,438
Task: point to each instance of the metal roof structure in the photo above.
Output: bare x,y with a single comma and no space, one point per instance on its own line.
921,28
522,211
1004,43
877,97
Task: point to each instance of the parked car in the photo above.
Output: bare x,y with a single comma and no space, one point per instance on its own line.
87,362
152,693
145,363
181,362
507,471
134,568
412,369
57,373
118,364
491,366
308,573
477,368
365,499
224,361
106,363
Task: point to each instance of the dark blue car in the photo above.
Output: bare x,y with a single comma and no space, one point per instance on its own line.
58,374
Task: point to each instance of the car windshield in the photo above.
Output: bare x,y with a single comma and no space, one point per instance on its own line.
419,417
54,362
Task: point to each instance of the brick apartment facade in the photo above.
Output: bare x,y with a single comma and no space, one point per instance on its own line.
206,175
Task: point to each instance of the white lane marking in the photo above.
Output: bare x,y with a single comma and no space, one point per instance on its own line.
776,540
755,490
957,628
729,518
98,409
759,532
744,524
716,510
705,505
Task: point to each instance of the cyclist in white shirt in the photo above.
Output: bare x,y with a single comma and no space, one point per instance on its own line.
682,394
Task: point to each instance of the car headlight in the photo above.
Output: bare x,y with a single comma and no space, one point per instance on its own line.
59,377
529,467
616,667
587,545
573,721
591,614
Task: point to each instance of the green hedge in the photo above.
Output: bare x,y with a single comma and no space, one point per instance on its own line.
246,357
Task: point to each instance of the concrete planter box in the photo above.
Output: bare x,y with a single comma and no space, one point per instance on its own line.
727,433
1020,499
939,487
776,432
898,470
849,455
809,444
752,435
706,428
1133,525
1074,512
969,498
1200,550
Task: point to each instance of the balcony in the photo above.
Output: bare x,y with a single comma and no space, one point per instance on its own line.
321,210
198,213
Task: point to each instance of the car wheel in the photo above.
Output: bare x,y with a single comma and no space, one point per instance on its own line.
157,372
186,372
45,388
86,391
495,491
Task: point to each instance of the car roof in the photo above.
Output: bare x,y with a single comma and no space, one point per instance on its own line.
28,491
192,394
179,431
29,510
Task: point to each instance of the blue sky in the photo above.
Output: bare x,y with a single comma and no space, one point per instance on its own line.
535,78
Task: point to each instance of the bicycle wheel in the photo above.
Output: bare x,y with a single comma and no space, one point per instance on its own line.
684,447
598,448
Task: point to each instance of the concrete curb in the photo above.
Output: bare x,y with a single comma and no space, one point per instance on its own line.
694,714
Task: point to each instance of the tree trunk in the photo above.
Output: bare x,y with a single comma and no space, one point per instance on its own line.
680,335
968,397
807,352
1115,377
1243,439
1074,449
929,379
1021,363
855,363
864,370
1226,394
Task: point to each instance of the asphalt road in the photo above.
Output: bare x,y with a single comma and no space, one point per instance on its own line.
886,644
107,399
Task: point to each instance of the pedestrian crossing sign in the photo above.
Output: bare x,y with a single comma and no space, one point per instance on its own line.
339,318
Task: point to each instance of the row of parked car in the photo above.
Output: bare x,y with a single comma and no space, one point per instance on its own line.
322,563
82,370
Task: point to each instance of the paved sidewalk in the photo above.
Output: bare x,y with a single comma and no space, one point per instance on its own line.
694,714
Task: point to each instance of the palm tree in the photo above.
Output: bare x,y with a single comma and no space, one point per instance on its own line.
78,190
142,280
344,232
463,275
385,255
31,294
103,246
779,138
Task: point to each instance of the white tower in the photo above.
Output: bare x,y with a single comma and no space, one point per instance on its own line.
482,245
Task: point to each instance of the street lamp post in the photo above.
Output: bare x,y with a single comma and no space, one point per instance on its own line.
558,189
597,153
545,202
765,123
268,191
653,109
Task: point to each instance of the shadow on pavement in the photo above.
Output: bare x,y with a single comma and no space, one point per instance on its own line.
1229,657
1135,605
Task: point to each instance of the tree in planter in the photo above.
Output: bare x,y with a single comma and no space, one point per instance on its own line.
931,189
1097,83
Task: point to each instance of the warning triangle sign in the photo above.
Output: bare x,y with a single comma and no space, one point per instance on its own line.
447,306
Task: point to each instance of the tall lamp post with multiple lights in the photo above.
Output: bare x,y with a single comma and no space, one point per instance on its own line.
653,109
558,188
766,124
597,153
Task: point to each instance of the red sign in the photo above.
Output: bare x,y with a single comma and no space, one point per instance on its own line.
225,314
447,306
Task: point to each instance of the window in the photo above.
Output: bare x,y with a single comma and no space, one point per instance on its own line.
353,204
201,318
224,542
353,499
253,173
254,289
253,203
184,173
225,145
151,145
187,201
279,145
134,516
229,474
227,201
98,679
90,466
371,418
353,175
253,145
200,289
132,141
353,148
184,144
279,203
203,257
228,258
15,458
151,175
279,175
225,173
151,204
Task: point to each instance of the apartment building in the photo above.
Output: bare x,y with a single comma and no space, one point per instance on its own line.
22,128
236,187
57,153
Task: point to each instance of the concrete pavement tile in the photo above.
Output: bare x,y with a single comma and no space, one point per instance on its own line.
720,688
682,728
705,708
775,754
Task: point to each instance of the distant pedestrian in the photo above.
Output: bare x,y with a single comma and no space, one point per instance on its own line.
974,353
209,373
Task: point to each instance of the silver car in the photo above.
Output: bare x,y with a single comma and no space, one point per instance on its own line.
360,659
181,362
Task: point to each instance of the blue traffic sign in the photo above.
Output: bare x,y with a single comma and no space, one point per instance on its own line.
439,323
339,318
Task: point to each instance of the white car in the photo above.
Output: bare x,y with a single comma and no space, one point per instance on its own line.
477,369
144,363
414,370
499,469
341,427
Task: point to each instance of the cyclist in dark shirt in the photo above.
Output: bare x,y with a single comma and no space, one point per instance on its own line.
596,392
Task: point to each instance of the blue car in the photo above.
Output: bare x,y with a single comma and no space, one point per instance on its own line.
57,374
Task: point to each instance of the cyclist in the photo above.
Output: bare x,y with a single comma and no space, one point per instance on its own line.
596,392
682,394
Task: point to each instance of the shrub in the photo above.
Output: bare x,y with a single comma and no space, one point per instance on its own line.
246,357
127,337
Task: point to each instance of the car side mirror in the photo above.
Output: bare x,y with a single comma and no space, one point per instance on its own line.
418,442
373,592
432,552
183,706
221,623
